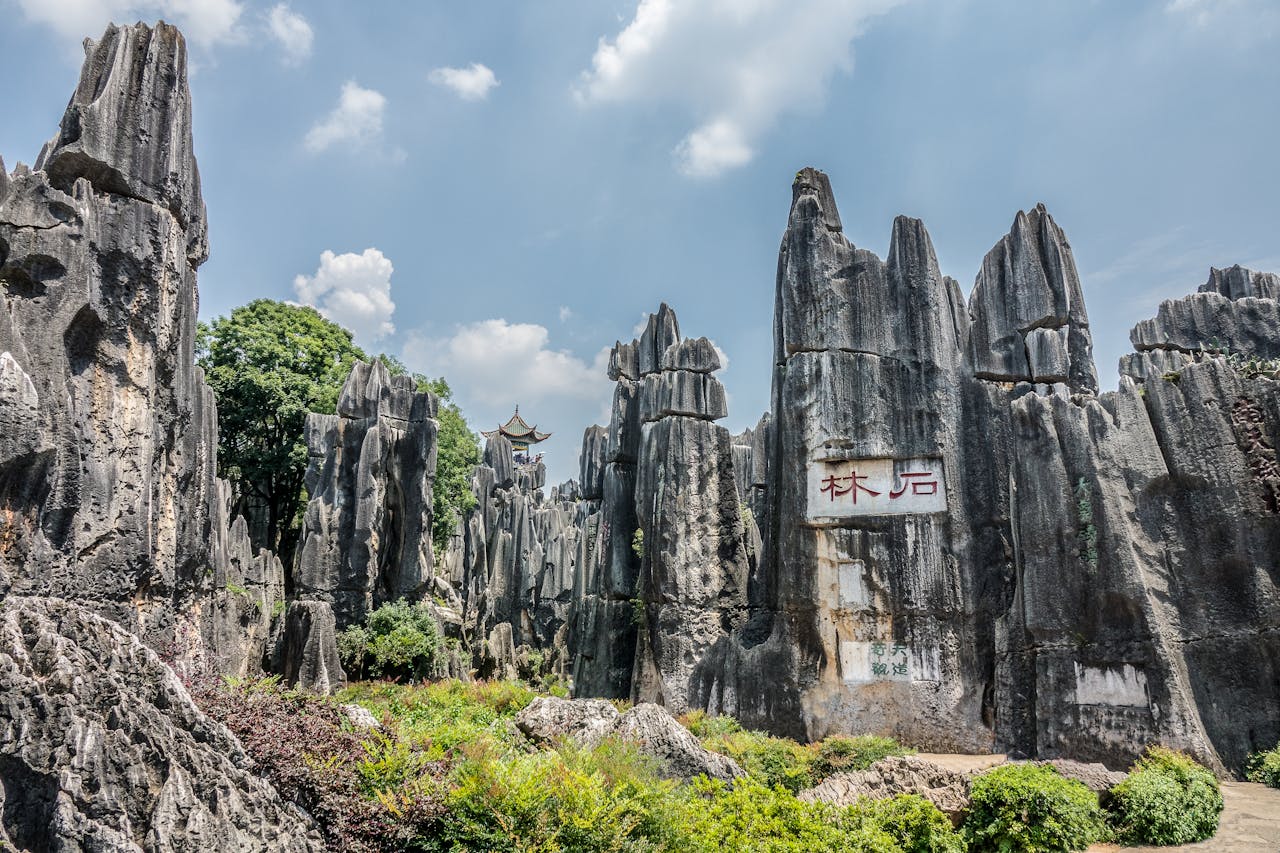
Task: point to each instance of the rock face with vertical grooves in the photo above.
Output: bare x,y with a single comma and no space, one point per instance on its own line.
1090,573
366,535
516,559
108,491
102,748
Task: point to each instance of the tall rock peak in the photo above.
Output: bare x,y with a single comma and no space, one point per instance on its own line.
127,128
1028,320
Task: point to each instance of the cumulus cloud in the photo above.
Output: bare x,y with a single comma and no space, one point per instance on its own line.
471,83
501,363
204,22
733,66
352,290
293,33
356,120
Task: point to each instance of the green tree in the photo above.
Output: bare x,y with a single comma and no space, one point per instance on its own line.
457,454
269,364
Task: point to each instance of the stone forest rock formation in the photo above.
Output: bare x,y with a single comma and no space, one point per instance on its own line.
968,547
108,433
112,754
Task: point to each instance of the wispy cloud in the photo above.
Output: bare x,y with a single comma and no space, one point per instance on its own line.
471,83
356,120
734,66
292,32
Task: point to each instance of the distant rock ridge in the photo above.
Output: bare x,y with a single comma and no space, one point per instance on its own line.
108,487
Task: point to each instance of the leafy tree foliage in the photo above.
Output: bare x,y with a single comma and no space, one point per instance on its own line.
269,364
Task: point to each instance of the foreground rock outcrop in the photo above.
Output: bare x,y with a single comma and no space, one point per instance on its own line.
108,433
102,748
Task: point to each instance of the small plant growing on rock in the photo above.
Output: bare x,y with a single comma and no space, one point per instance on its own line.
1264,767
1028,808
1167,799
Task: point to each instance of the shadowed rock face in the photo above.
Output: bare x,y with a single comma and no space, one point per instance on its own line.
108,491
1067,574
101,748
366,535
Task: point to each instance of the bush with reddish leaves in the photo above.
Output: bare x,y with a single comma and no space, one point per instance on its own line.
309,751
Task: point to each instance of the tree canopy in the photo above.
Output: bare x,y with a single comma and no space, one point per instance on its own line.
269,364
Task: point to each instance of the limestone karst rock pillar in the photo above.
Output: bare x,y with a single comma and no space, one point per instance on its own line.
603,635
692,586
108,488
863,551
366,534
519,553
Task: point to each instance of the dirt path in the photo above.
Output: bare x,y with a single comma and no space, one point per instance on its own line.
1250,824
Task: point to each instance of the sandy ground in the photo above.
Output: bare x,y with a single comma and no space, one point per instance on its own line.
1250,817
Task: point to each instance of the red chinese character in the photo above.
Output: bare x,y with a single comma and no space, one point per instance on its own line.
917,483
853,475
831,486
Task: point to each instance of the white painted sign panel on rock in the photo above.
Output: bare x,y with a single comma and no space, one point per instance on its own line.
844,488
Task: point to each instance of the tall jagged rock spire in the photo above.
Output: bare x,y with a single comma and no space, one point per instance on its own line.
1029,322
108,476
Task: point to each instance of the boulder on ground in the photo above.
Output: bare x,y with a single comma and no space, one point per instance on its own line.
905,774
651,728
102,748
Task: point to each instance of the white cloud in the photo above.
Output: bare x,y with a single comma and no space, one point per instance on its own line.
493,365
500,364
357,119
471,83
733,66
293,33
204,22
565,313
1251,20
354,291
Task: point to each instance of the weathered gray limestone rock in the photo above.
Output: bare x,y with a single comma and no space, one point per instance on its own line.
107,464
101,748
946,789
519,556
307,654
366,535
656,733
1029,320
693,572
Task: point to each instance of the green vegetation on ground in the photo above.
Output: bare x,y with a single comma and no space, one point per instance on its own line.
1031,808
448,769
1264,767
397,640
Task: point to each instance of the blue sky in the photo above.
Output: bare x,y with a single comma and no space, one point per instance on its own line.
495,191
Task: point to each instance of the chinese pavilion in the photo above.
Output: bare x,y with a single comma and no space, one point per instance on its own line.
519,433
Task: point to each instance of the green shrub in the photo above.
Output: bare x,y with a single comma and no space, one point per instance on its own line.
1167,799
748,815
840,754
1028,808
1264,767
398,640
915,824
769,760
590,800
704,725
